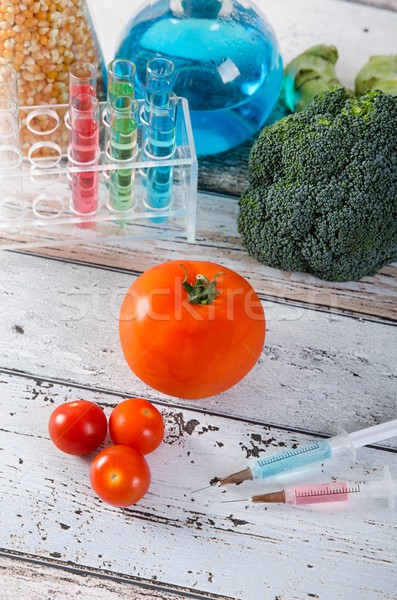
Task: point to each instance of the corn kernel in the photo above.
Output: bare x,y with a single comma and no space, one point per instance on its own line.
41,39
30,22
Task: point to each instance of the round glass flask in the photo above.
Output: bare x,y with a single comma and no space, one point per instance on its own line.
227,64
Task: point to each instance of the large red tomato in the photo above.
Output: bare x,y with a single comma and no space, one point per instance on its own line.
191,338
120,475
77,427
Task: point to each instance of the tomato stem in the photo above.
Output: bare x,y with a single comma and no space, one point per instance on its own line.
203,291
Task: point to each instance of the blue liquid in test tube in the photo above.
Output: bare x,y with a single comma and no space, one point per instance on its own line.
159,83
160,145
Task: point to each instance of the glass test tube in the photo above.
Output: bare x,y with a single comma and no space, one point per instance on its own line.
82,79
121,80
10,143
159,83
122,147
12,205
84,151
8,83
160,144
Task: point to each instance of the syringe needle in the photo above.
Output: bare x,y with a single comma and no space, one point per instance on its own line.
239,500
201,489
213,482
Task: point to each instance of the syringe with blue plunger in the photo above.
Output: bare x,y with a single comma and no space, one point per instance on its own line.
343,443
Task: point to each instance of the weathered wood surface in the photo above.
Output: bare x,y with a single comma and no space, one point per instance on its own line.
60,321
24,577
318,370
218,241
172,537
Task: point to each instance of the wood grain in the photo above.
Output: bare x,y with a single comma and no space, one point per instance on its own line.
24,577
218,241
193,541
319,368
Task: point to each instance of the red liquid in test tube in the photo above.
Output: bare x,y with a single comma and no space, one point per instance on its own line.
85,151
85,139
85,142
77,89
82,79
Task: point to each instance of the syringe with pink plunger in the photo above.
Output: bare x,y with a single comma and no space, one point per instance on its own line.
342,491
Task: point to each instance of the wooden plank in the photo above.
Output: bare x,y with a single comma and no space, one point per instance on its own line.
60,321
172,538
194,541
27,577
218,241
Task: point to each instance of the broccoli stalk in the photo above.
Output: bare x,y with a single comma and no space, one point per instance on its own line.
322,193
309,74
380,73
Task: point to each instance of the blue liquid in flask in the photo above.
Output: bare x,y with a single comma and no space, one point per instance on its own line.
226,61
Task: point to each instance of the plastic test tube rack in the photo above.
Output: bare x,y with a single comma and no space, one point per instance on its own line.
36,198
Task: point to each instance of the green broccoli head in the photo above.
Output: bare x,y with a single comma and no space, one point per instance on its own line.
322,193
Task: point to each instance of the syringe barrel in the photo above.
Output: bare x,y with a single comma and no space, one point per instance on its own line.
317,493
290,459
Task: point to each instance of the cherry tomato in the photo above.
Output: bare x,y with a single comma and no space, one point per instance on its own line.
120,476
77,427
137,423
193,338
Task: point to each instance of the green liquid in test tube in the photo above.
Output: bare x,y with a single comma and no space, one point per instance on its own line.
122,147
120,88
121,80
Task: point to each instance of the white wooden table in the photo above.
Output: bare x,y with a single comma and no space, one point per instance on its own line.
330,358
